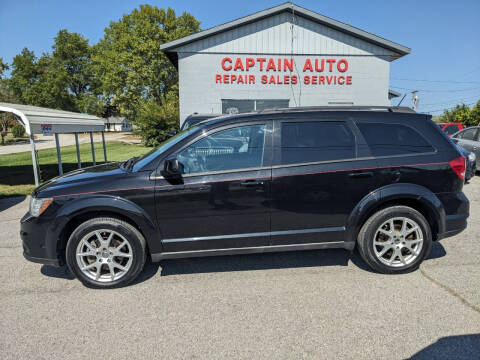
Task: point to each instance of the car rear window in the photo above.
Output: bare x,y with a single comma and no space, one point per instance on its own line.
468,134
451,129
393,139
313,141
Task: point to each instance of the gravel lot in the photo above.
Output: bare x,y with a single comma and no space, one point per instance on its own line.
317,304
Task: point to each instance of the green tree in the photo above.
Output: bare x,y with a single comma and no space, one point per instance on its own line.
51,86
6,119
18,131
135,75
459,114
3,66
475,114
73,55
61,80
156,121
24,73
72,52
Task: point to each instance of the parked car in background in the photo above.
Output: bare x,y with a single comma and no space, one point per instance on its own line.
469,139
279,180
195,119
450,128
471,160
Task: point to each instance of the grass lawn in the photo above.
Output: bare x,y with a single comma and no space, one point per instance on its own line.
16,171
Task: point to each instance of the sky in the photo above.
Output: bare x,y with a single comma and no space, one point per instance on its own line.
444,35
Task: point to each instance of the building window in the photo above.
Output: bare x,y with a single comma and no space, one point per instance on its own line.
233,106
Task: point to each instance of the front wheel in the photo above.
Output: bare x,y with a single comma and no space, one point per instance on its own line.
106,253
395,240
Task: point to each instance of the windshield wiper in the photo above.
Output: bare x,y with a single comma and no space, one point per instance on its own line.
128,165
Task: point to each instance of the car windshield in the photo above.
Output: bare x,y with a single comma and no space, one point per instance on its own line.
167,144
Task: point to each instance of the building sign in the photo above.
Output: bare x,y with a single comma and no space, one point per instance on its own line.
271,71
47,129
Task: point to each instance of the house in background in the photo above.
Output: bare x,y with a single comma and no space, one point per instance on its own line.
115,123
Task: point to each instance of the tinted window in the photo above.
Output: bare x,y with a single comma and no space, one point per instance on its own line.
304,142
393,139
451,129
235,148
467,134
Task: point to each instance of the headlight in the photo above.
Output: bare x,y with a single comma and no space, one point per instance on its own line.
39,205
471,157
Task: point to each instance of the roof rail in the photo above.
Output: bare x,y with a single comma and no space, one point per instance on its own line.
402,109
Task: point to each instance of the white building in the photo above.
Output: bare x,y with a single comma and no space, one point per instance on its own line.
284,56
115,123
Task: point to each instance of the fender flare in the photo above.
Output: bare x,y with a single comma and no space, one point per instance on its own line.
399,191
113,204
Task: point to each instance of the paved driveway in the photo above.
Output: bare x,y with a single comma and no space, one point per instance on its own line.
317,304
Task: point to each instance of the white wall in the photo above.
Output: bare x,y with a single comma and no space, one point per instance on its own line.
200,62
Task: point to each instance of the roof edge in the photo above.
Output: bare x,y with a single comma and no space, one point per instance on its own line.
288,6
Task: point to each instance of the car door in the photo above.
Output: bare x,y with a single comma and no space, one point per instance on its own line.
319,175
476,143
223,202
468,139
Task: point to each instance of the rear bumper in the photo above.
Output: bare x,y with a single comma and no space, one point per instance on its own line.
471,170
455,224
458,208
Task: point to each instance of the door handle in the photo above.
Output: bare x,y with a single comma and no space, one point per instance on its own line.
361,174
252,183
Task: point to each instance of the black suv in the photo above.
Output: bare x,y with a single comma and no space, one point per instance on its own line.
385,180
195,118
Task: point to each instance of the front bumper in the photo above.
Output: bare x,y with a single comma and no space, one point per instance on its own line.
39,243
52,262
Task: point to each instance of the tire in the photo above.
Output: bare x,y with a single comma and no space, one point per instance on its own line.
378,243
121,250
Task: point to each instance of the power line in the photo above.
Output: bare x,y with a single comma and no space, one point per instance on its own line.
431,90
453,100
438,81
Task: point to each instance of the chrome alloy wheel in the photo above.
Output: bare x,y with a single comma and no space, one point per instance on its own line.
104,255
398,242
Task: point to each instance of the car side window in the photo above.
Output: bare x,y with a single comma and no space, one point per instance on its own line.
393,139
312,141
451,129
467,134
230,149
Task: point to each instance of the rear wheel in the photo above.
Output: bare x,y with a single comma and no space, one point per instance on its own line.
395,240
106,253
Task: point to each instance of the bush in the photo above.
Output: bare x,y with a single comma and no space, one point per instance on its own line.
18,131
156,121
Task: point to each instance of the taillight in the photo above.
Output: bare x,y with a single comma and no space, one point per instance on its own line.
458,166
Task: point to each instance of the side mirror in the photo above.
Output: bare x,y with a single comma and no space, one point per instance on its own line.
172,171
173,132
